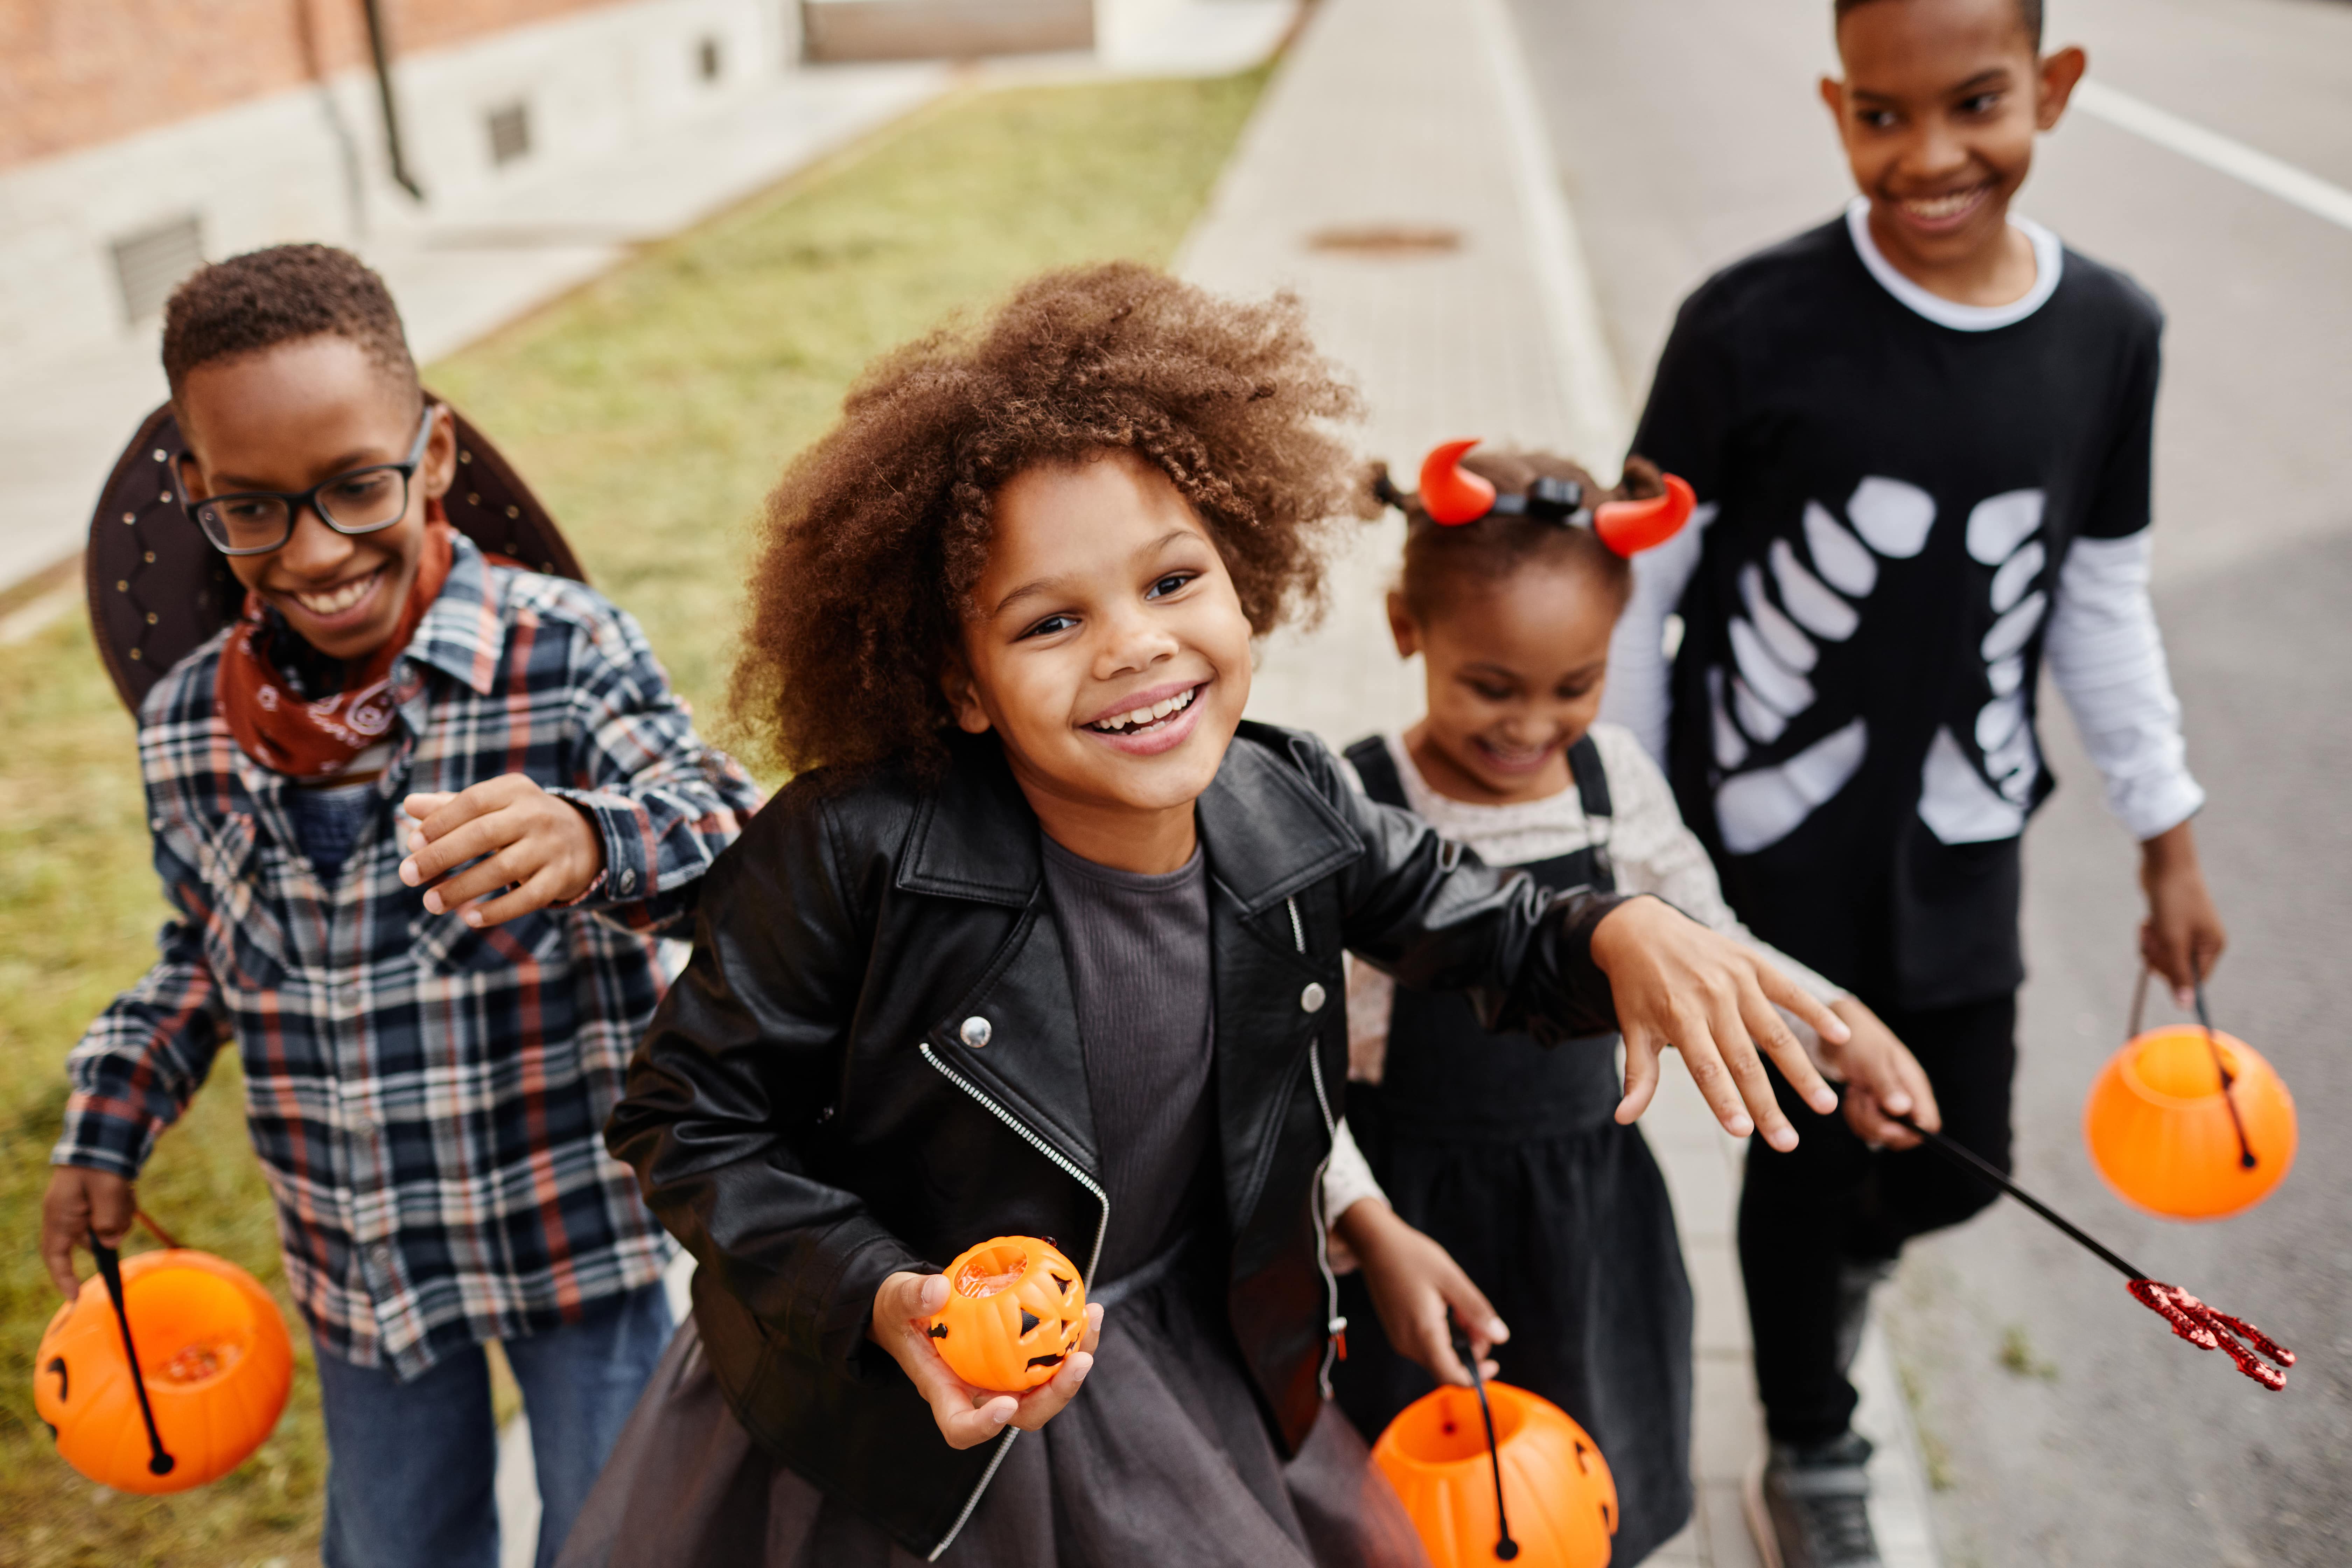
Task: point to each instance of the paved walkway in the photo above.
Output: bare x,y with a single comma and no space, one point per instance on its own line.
1416,117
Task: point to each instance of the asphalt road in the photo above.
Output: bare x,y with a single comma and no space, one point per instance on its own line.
1688,134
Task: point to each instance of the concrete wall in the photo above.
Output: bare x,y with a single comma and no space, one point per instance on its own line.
74,73
296,157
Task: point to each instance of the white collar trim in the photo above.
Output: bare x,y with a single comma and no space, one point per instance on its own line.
2049,259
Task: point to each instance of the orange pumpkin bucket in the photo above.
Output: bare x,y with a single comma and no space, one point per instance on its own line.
1015,1310
2188,1125
1563,1502
214,1361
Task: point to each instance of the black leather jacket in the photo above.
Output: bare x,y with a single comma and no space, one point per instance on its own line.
873,1062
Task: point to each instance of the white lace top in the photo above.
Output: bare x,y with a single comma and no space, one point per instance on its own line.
1650,848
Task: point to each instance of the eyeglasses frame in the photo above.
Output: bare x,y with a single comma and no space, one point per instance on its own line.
299,502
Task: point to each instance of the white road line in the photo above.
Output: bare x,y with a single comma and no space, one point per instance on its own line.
2215,151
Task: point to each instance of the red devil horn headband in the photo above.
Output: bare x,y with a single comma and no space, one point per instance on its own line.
1452,497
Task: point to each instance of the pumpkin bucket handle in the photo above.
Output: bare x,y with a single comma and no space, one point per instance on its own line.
109,1268
2246,1160
1504,1547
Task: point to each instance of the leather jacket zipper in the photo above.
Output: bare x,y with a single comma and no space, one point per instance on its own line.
1077,1173
1334,1324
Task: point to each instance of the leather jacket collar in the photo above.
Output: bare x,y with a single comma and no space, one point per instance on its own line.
1267,835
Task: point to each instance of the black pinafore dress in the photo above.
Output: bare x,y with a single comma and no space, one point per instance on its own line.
1506,1151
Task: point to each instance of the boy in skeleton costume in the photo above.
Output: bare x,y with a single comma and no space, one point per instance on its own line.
1920,438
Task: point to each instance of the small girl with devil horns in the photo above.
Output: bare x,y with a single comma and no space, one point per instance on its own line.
1520,1160
1044,939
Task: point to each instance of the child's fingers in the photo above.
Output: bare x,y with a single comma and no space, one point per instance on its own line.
61,1228
2161,953
1705,1063
965,1424
535,892
1641,1075
431,858
1429,1327
1921,1093
1731,1023
1093,1328
1786,993
1769,1031
509,868
1046,1401
475,800
1870,1123
966,1417
1471,1308
424,803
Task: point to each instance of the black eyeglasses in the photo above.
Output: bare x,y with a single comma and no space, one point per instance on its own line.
254,522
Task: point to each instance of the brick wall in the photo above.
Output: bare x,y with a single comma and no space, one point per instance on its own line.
74,73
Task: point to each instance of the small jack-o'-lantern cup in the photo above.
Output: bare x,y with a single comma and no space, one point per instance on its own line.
2190,1123
213,1362
1015,1310
1562,1501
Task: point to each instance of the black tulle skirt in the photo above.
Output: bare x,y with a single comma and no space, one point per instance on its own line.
1163,1458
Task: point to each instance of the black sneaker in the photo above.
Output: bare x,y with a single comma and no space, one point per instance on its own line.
1817,1501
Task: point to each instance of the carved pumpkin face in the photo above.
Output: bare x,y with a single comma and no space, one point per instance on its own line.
213,1350
1015,1310
1557,1489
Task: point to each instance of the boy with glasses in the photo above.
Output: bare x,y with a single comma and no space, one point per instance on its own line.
421,818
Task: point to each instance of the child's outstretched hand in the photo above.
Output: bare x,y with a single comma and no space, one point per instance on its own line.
1678,984
539,847
2182,937
1882,1079
1415,1284
967,1416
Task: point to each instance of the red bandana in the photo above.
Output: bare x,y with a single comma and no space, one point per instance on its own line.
318,738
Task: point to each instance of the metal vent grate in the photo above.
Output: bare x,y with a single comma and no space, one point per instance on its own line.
149,265
510,129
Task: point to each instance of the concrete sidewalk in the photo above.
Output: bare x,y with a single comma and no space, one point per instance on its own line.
1397,176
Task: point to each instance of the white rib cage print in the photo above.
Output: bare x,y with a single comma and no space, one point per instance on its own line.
1798,611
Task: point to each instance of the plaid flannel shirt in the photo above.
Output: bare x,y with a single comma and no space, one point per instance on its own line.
428,1101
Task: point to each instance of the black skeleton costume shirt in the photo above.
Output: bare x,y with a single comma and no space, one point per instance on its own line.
1906,505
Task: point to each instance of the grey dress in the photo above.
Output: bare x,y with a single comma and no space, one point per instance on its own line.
1165,1457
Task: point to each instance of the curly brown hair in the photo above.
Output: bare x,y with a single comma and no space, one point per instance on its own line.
281,295
877,534
1442,560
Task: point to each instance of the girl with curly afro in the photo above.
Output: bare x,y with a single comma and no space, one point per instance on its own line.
1045,940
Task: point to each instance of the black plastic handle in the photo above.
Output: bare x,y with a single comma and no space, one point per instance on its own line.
1504,1547
110,1268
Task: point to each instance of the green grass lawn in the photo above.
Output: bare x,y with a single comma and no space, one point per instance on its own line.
651,410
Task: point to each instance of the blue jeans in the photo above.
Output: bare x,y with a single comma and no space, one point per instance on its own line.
412,1465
